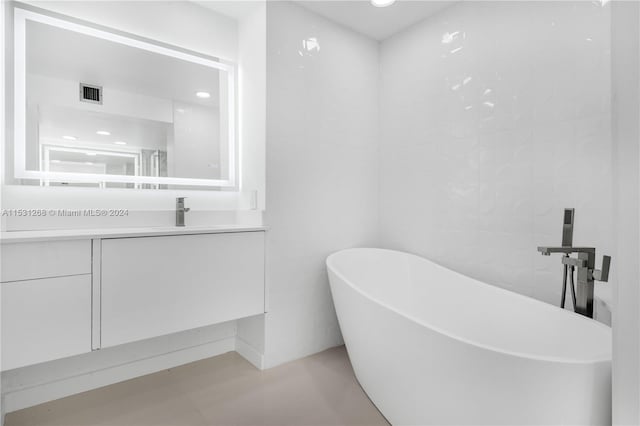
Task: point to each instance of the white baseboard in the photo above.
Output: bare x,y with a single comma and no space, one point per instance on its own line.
250,353
28,397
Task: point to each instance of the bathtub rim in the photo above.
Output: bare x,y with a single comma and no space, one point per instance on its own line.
523,355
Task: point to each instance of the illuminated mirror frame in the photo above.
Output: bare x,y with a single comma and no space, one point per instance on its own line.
21,16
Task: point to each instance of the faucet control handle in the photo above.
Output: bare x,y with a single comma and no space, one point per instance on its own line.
571,261
603,273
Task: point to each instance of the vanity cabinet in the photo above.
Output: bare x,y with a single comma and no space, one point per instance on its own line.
46,301
67,297
153,286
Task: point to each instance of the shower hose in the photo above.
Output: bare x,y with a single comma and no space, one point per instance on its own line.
568,270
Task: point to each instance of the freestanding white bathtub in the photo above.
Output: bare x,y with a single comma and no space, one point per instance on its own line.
434,347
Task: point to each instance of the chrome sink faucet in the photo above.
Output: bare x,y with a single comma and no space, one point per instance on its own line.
180,211
584,264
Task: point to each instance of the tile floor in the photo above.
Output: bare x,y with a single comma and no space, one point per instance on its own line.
225,390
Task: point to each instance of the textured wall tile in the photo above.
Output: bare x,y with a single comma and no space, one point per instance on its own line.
512,99
321,170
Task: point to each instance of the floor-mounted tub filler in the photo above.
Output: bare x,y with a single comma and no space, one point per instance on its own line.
431,347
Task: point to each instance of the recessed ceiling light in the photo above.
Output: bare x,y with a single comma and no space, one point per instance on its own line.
70,138
120,143
382,3
91,154
203,95
103,133
89,163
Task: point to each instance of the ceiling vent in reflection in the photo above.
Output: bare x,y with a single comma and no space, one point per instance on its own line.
90,93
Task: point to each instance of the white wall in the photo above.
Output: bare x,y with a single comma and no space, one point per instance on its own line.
252,39
252,60
625,45
495,117
321,170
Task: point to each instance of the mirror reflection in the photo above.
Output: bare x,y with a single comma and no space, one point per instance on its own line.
99,107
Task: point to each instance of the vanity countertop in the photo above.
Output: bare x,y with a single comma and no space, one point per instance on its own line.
82,234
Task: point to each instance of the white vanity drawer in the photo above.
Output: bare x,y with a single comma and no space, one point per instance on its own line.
45,319
27,261
160,285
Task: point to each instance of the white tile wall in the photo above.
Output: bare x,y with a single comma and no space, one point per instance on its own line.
495,116
321,170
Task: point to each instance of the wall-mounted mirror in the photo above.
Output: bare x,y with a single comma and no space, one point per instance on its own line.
99,108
